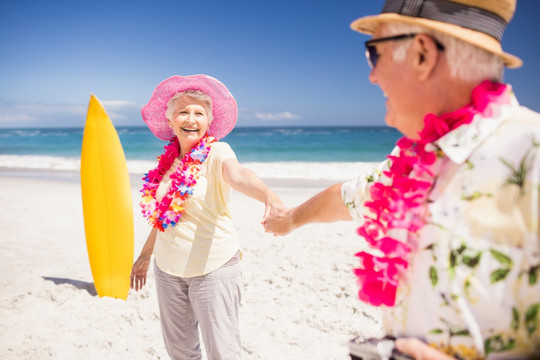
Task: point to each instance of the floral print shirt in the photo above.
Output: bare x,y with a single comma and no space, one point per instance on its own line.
472,287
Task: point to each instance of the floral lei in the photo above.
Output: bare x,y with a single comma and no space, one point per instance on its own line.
167,212
400,205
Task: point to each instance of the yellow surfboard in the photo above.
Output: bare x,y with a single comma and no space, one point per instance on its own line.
107,204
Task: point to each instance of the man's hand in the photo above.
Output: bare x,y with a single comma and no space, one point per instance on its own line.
420,350
278,221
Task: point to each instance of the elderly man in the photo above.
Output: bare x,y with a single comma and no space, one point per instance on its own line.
452,217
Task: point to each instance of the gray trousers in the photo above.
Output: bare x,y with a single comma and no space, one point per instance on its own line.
210,302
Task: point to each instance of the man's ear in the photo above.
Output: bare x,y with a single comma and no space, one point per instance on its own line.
424,56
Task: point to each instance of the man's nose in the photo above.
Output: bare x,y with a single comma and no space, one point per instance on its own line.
373,76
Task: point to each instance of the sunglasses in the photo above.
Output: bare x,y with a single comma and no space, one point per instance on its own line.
372,55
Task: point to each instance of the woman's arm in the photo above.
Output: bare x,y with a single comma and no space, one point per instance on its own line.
140,267
248,183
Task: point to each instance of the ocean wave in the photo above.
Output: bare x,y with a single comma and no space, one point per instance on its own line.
39,133
20,133
40,162
337,171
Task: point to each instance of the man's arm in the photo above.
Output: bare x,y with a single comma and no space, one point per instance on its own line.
326,206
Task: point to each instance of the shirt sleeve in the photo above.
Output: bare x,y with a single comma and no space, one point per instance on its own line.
355,192
220,152
223,151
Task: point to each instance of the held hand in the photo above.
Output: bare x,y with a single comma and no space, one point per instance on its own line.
272,204
139,271
420,350
278,221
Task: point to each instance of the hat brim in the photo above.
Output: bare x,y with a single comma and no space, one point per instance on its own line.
224,107
369,24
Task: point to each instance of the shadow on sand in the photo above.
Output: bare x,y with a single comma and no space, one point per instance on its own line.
83,285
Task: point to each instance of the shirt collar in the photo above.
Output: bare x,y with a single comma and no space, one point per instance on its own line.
460,143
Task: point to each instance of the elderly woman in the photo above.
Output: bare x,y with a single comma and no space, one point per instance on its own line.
186,200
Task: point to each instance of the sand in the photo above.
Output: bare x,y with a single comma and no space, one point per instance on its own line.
299,293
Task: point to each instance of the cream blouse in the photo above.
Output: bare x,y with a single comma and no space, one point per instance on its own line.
204,238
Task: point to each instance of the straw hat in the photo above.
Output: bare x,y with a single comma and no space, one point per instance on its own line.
224,109
478,22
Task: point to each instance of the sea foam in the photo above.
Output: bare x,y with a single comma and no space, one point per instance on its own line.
337,171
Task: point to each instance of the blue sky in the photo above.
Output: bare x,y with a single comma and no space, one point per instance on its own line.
287,62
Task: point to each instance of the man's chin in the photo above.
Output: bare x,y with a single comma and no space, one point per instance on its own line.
390,121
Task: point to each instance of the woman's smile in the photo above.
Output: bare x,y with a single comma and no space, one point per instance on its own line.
190,129
189,122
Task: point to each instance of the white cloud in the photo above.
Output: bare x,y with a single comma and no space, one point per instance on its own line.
122,112
32,114
285,115
16,117
44,109
118,103
115,115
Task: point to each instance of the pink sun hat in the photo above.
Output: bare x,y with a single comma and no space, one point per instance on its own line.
224,108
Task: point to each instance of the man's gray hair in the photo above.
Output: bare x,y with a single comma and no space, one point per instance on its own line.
466,61
195,94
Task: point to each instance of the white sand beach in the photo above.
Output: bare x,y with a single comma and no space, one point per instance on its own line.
299,293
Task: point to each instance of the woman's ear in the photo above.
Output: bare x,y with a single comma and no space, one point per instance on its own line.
425,56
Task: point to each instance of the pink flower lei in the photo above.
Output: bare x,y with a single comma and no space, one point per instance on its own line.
167,212
401,205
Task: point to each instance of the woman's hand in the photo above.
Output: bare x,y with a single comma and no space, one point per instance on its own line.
420,350
278,221
140,267
273,204
139,272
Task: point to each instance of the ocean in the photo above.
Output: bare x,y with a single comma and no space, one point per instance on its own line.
335,153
